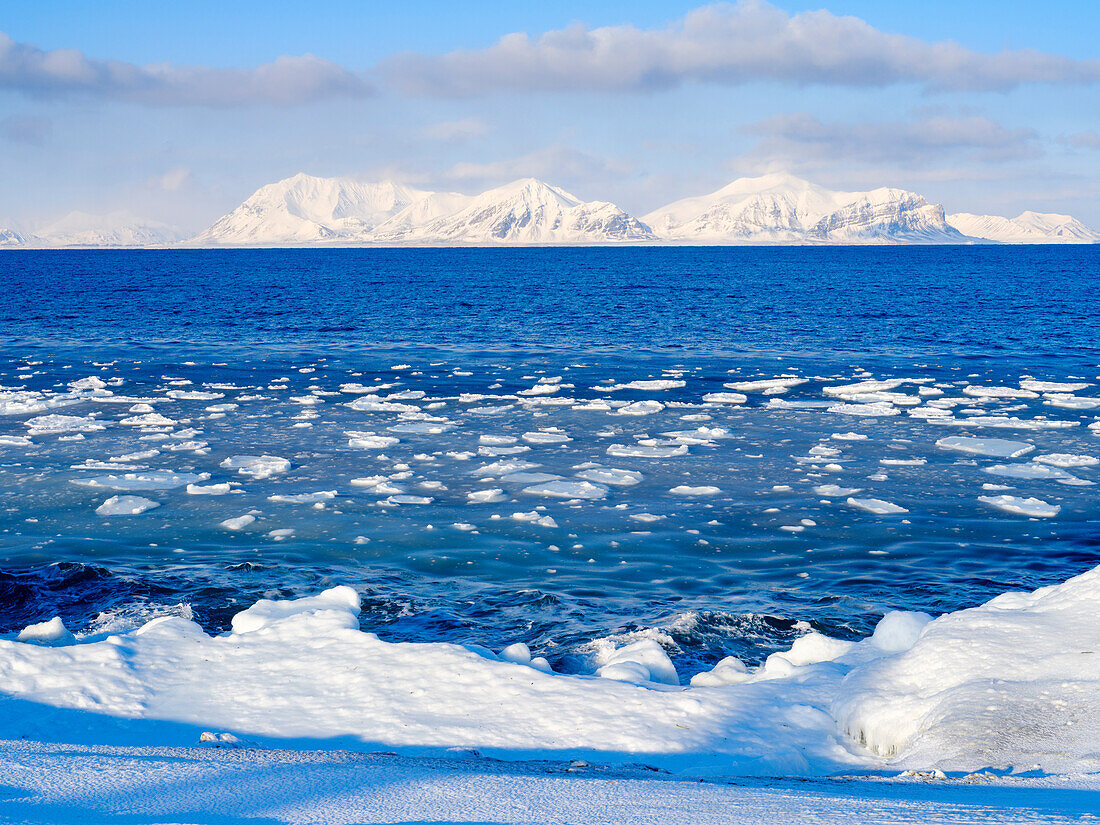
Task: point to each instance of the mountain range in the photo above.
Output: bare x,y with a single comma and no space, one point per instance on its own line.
771,209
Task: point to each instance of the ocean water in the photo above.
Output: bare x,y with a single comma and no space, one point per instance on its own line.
586,387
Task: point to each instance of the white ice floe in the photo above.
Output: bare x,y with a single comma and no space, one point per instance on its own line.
304,498
52,632
768,386
149,419
636,408
548,436
687,490
400,499
874,409
369,441
1067,460
149,480
725,398
999,392
567,490
126,506
648,384
1034,507
611,476
992,447
535,517
486,496
863,387
1071,402
209,489
56,423
1052,386
1029,471
257,466
238,522
835,490
645,451
876,506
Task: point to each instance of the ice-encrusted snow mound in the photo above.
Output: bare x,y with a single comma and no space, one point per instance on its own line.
780,208
1028,227
1014,683
306,209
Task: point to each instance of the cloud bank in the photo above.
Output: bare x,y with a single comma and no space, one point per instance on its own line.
729,44
285,81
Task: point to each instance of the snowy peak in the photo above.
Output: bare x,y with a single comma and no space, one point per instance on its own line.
9,237
1028,227
531,211
81,229
305,209
783,208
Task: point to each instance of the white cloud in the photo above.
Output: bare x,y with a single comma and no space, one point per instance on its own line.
727,43
171,181
800,140
285,81
559,165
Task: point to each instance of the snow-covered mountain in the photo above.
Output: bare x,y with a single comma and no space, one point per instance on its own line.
114,229
1029,227
780,208
9,237
526,211
305,209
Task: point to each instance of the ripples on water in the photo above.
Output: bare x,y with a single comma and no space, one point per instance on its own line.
712,575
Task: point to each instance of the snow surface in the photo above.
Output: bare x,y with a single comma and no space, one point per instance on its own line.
1028,227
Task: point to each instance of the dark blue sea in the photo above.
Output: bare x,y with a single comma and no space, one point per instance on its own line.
717,448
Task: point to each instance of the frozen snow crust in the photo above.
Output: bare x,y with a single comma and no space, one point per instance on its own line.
1010,685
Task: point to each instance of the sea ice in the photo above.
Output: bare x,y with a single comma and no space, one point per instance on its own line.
567,489
257,466
992,447
126,506
876,506
1034,507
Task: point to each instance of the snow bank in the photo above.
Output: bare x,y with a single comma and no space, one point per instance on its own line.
1013,683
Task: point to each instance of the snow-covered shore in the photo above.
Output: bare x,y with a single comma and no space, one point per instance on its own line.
1012,686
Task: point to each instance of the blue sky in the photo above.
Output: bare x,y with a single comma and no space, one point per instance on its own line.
178,111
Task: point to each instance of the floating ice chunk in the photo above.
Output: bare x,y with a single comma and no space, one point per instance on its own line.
567,489
725,398
1052,386
15,441
992,447
52,633
1067,460
1071,402
648,407
257,466
611,476
903,462
685,490
645,451
89,383
1033,507
422,428
406,499
194,395
149,480
540,389
729,671
56,423
874,409
849,436
835,491
237,523
304,498
150,419
863,387
492,452
138,456
550,436
535,517
497,440
648,384
126,506
810,649
998,392
208,490
641,661
1029,471
766,385
486,496
876,506
369,441
647,518
372,404
503,467
529,478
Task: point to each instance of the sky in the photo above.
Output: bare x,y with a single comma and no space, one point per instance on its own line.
176,112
